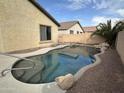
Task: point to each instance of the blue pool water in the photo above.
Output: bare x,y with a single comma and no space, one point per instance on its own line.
55,63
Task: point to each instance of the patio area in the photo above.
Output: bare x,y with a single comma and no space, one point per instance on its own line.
107,77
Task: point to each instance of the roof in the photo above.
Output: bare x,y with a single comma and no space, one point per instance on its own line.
38,6
68,24
90,29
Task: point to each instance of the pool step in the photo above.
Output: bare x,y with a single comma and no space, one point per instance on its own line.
50,66
31,73
49,71
35,78
69,54
19,73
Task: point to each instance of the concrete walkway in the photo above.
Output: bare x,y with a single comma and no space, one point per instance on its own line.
107,77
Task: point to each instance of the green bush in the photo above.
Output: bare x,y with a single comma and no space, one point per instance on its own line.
108,32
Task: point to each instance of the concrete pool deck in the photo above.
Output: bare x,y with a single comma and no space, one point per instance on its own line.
107,77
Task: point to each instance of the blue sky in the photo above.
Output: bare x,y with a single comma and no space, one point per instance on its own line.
88,12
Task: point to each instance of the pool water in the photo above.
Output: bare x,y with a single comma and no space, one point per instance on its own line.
55,63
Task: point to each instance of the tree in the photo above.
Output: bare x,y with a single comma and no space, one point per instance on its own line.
108,32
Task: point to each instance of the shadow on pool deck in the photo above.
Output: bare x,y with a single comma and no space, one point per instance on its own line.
107,77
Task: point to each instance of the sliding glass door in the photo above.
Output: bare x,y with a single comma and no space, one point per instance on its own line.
45,33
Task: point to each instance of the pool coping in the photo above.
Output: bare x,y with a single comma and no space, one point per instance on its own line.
54,84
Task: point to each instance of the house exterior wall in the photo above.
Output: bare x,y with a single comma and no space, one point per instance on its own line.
75,28
1,45
120,45
20,26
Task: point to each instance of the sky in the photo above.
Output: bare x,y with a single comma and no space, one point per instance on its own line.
87,12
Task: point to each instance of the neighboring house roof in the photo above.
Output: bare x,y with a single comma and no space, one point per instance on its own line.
37,5
90,29
69,24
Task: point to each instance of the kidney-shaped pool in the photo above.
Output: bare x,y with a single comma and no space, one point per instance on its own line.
57,62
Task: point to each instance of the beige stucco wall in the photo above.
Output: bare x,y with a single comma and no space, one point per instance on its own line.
20,22
70,39
120,45
81,38
1,45
75,28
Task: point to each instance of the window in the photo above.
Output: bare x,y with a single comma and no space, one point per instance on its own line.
71,32
77,32
45,33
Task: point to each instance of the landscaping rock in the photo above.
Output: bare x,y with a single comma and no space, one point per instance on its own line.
65,82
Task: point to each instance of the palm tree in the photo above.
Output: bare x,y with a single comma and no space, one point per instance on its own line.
108,32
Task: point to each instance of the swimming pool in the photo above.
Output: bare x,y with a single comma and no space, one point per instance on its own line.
57,62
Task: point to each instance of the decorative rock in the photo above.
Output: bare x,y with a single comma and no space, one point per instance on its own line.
65,82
